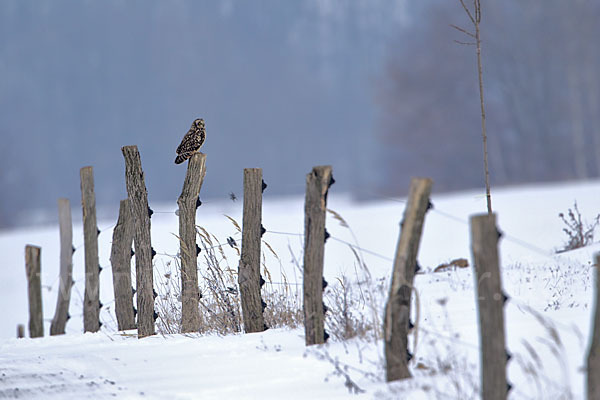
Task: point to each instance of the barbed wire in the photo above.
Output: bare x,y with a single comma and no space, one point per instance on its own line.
75,248
373,253
51,287
440,335
442,277
354,246
285,283
285,233
507,236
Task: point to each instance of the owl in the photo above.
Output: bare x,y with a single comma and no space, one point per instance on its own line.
191,142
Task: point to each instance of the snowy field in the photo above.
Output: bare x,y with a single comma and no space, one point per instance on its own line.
547,318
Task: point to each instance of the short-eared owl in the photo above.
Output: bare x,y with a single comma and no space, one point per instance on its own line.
192,141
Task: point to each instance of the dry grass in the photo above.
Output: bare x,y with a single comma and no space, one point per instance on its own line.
220,307
349,315
356,305
168,301
579,232
283,310
220,310
352,304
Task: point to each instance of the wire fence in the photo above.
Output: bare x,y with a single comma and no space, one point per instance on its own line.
515,240
109,324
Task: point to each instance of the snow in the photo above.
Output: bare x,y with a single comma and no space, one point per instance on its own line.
547,317
175,367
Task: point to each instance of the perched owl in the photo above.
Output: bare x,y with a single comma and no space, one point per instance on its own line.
191,142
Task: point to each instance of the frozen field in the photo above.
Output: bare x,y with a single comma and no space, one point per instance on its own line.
547,318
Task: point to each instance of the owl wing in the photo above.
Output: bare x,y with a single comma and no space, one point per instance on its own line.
187,140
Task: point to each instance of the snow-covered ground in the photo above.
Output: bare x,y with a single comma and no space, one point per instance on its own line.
547,318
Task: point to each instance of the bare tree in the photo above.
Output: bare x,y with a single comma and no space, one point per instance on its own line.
475,17
541,95
424,91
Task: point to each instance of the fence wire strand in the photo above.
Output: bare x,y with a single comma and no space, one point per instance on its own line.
439,335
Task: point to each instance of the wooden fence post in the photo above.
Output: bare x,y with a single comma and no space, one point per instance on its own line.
91,301
318,182
188,203
490,305
120,259
593,360
20,331
249,278
138,197
63,300
397,309
34,289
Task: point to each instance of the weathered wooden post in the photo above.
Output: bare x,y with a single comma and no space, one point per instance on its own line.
34,290
490,305
249,278
138,197
188,202
91,301
61,315
593,359
20,331
120,259
318,182
397,309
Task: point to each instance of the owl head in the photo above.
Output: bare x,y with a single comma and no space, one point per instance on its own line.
199,123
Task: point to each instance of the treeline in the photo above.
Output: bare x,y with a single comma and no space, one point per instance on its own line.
542,93
271,78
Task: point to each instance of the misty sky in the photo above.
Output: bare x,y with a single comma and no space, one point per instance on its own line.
281,85
379,89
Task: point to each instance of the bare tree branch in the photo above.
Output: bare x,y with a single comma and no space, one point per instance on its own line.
465,43
466,32
476,20
467,11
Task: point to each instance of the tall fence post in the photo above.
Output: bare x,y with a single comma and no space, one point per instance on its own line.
397,309
120,259
91,301
34,290
63,300
249,278
318,182
188,202
138,197
593,359
490,304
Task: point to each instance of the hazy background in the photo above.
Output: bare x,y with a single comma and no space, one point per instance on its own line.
376,88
